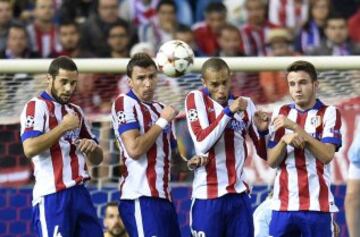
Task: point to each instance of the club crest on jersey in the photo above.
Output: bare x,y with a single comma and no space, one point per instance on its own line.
193,115
315,121
29,121
121,116
72,135
236,125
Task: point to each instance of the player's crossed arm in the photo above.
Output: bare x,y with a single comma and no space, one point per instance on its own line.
299,139
137,144
35,145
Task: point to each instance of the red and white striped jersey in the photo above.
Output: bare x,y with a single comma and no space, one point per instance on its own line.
254,38
62,165
150,174
302,182
220,134
288,13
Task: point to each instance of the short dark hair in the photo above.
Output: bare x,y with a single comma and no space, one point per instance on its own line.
166,2
111,204
122,24
334,15
141,60
18,25
62,62
229,27
182,28
69,23
217,7
305,66
215,64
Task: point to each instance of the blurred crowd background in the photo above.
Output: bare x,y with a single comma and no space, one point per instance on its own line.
120,28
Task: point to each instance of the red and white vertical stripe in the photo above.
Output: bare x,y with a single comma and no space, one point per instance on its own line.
302,181
222,138
62,166
150,174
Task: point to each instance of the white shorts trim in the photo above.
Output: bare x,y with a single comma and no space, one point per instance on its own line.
138,218
44,229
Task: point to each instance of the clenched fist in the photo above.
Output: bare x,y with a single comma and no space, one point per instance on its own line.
237,105
169,113
70,121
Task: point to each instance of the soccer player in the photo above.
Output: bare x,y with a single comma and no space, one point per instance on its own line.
352,198
144,130
112,221
57,139
304,136
218,124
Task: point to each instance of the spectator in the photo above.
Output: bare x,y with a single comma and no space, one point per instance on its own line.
43,32
143,47
206,32
254,31
162,28
236,12
17,44
24,10
291,14
200,8
273,83
184,33
312,33
69,36
138,12
112,221
75,10
353,26
5,21
230,42
118,40
336,42
242,84
96,28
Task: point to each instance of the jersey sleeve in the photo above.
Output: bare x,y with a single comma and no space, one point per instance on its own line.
258,137
274,137
204,134
331,127
33,119
124,115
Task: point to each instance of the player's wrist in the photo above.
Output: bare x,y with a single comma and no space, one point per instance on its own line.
162,123
228,111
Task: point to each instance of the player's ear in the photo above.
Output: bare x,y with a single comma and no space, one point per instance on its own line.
130,82
203,81
316,83
49,77
104,223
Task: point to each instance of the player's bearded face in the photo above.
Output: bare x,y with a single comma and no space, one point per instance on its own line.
63,86
143,82
302,89
218,84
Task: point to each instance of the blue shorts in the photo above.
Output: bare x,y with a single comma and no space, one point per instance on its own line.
301,224
229,215
148,217
67,213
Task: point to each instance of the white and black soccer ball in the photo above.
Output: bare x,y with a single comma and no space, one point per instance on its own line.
121,117
174,58
29,121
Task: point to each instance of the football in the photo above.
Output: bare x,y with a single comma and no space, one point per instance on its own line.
174,58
